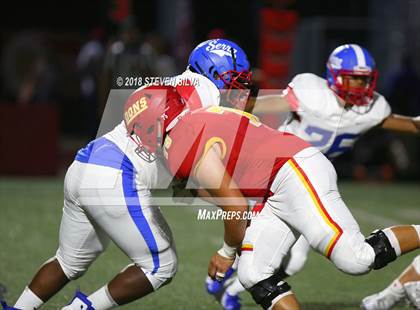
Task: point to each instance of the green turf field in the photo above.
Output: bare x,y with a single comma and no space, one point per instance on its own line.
30,211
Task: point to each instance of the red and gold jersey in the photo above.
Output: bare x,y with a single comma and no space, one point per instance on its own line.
251,152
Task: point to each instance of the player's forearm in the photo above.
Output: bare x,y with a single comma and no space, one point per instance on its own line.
211,175
235,225
234,206
270,104
402,123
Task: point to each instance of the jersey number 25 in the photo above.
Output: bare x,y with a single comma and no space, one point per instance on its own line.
334,148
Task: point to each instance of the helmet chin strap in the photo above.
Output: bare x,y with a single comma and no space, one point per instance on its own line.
233,58
340,100
159,132
176,119
159,138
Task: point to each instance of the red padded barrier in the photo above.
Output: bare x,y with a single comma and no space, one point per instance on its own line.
277,31
29,139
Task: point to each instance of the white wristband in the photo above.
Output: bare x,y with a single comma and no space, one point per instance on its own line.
227,251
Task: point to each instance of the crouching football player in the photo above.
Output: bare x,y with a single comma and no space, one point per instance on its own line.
107,197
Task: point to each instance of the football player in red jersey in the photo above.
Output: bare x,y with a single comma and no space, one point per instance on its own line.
230,154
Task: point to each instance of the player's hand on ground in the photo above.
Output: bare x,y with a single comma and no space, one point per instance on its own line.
219,265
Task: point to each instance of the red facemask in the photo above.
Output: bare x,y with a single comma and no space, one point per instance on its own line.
349,91
237,85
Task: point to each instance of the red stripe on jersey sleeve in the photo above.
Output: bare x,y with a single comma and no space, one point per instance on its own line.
291,98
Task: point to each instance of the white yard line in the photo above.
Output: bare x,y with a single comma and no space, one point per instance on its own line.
375,218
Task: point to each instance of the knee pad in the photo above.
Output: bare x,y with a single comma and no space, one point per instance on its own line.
416,264
265,291
384,251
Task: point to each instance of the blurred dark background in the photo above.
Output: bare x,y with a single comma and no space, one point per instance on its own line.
58,61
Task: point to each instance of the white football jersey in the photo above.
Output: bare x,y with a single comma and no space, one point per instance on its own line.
323,121
149,175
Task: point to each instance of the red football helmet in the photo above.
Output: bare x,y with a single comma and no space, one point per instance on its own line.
148,114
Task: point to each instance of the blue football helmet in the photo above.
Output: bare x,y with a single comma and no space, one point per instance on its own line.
224,63
347,62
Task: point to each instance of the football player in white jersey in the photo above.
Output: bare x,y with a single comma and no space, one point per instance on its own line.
406,286
331,114
107,197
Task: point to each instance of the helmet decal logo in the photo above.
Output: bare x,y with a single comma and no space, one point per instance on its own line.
336,62
220,49
133,111
202,44
362,68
